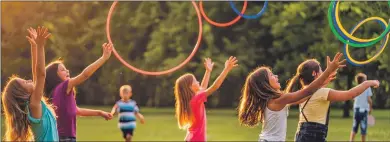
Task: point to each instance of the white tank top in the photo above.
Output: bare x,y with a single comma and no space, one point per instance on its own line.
274,125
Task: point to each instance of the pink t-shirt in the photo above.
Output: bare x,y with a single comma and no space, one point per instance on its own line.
197,131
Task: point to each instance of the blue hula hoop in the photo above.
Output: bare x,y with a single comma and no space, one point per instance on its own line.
249,16
345,45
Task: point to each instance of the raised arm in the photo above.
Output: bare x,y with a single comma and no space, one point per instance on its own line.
40,73
229,65
88,71
327,81
315,85
208,64
338,96
33,36
300,101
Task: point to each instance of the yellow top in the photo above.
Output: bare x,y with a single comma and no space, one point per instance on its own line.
316,109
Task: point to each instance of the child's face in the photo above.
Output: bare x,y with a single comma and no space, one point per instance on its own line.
62,72
273,80
27,85
126,94
195,85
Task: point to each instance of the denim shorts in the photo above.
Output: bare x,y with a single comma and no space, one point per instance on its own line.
312,132
360,118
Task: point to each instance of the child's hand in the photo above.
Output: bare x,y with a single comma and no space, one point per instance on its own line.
107,48
106,115
370,112
42,36
142,121
374,83
32,42
32,37
231,63
335,64
330,78
32,33
208,64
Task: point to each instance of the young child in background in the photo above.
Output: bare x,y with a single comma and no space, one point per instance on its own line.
362,106
128,111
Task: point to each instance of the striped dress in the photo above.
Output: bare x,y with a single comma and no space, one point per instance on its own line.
127,112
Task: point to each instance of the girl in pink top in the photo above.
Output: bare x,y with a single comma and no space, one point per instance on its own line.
190,98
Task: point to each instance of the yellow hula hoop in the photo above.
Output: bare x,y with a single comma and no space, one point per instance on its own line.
345,32
376,55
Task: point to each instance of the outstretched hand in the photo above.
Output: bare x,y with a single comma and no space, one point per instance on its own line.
107,49
231,63
335,63
208,64
38,37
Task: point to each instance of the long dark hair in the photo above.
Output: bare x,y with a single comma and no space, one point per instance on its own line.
256,93
304,75
52,79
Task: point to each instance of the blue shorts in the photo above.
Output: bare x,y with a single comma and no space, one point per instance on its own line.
360,118
126,132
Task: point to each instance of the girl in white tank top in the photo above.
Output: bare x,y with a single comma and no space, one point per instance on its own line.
262,100
274,125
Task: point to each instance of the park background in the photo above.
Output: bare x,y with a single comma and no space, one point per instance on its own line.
158,35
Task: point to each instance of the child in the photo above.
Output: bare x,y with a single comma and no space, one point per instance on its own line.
60,87
313,120
27,115
190,98
362,104
128,110
263,101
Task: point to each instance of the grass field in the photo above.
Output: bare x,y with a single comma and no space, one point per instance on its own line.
222,125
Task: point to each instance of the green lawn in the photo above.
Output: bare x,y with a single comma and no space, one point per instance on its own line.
222,125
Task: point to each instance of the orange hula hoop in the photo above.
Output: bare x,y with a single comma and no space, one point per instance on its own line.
157,72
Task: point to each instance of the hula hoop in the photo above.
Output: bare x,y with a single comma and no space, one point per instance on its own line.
235,20
157,72
339,31
249,16
350,35
351,43
383,46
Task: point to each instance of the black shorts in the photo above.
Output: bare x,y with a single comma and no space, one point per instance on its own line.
311,132
127,131
67,139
